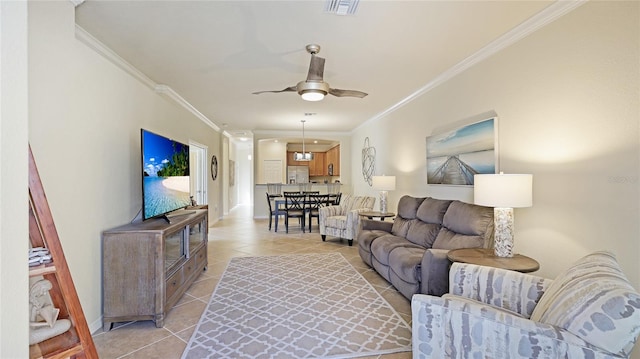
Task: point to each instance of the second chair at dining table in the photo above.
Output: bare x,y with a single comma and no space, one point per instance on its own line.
313,203
294,207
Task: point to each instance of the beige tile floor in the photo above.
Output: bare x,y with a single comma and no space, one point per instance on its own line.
237,235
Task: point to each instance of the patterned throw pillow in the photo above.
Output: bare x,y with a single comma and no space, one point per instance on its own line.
593,300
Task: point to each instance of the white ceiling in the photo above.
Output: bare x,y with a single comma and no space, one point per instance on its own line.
216,53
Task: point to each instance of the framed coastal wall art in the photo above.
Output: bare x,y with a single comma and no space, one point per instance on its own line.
454,156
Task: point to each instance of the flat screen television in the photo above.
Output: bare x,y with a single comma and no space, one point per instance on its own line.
165,175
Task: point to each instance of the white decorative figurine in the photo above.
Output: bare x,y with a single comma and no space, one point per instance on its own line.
43,317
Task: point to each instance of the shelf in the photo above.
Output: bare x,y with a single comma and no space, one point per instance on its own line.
76,341
42,269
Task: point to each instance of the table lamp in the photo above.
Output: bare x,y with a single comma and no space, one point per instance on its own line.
384,184
504,192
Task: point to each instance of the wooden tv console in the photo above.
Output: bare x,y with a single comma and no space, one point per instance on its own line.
147,266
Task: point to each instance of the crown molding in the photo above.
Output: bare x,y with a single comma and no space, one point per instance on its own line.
107,53
169,92
534,23
77,3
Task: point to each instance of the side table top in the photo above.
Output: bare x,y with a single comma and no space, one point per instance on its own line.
486,257
377,214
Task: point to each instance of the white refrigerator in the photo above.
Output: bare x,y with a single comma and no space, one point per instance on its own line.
297,174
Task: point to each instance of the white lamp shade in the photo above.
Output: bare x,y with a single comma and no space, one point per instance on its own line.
384,183
503,190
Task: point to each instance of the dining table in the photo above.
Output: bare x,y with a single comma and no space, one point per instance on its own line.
280,201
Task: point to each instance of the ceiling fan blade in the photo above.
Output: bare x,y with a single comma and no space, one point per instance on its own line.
316,69
347,93
288,89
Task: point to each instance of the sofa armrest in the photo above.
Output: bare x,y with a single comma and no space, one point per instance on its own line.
442,326
370,224
435,272
514,291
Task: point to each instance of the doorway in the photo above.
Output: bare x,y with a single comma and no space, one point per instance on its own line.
198,171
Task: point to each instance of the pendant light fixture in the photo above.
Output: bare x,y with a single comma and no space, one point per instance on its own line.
304,156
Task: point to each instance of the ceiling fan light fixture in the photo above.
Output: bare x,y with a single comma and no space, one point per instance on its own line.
312,95
312,90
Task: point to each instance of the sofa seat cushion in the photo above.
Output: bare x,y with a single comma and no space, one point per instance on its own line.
593,300
336,222
382,247
365,238
405,263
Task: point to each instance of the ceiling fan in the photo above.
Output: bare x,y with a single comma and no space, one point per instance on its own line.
314,88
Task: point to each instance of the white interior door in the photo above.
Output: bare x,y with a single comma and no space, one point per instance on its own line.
198,171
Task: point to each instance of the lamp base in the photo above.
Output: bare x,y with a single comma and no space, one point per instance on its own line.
383,201
503,239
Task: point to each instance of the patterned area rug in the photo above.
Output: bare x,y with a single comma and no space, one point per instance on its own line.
296,306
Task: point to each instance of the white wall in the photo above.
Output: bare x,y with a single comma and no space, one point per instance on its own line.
14,278
84,128
244,175
567,101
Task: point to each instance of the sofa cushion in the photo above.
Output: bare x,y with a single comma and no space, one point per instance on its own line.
408,206
382,246
465,226
432,210
365,238
401,226
470,219
422,234
448,239
593,300
405,263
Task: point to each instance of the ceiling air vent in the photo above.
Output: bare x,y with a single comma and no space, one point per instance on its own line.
342,7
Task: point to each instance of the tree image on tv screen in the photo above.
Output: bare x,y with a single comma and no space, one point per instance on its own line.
178,165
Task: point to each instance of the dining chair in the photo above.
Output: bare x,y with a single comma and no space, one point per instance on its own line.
294,208
274,190
291,192
274,211
305,187
314,202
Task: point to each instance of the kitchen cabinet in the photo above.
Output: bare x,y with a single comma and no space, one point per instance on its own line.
317,165
292,162
333,157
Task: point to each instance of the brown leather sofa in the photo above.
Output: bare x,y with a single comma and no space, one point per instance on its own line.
411,251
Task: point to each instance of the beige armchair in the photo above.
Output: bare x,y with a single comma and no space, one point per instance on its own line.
588,311
343,220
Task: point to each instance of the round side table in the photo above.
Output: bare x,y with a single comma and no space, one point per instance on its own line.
372,214
486,257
